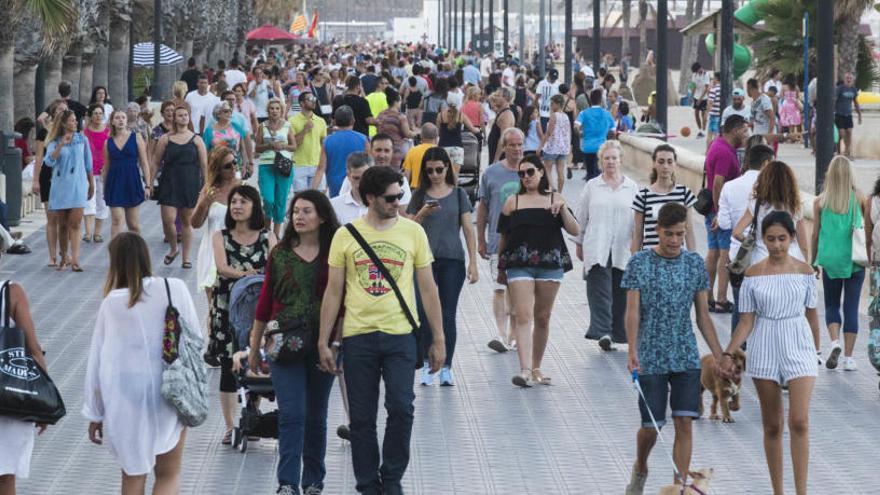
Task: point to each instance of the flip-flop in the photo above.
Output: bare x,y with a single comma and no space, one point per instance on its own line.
98,238
76,268
169,258
186,265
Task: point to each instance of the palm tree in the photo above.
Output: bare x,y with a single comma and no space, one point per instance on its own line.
849,14
92,34
643,31
120,24
27,57
686,49
56,17
627,15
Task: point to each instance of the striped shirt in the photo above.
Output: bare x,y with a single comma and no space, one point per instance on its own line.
648,203
715,97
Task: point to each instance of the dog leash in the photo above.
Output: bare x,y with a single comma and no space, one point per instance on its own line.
684,486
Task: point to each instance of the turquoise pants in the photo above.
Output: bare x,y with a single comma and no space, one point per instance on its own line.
274,188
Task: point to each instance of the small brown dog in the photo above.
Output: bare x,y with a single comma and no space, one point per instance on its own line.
724,390
699,486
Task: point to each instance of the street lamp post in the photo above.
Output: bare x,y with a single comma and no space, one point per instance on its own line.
482,28
506,12
522,32
463,24
597,36
662,65
568,48
542,57
824,144
473,22
491,26
454,44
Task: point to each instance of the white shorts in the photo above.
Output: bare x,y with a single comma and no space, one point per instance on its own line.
302,178
781,350
493,270
456,154
96,206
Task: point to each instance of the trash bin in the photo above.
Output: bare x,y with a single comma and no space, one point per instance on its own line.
10,167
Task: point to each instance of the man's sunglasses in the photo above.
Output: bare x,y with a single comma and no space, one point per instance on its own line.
390,198
529,171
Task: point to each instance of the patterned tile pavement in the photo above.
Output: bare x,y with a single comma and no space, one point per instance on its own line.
483,436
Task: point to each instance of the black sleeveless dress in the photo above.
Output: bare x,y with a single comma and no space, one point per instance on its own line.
181,178
495,136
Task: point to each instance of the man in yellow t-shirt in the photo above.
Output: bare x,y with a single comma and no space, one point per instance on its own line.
309,130
412,162
378,102
377,335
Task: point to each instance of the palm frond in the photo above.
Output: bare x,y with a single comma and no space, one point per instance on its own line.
58,17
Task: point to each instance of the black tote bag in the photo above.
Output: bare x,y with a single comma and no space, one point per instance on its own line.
26,391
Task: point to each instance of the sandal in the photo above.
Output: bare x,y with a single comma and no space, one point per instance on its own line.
65,261
523,379
539,377
52,262
98,238
186,265
86,238
169,258
76,268
227,438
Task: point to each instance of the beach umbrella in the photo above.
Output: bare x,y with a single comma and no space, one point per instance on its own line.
143,55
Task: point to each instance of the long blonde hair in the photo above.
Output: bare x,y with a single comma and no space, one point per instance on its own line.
179,89
113,130
839,185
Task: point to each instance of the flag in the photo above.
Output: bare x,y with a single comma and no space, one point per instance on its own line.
313,29
298,25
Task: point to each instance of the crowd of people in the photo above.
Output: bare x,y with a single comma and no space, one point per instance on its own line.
330,177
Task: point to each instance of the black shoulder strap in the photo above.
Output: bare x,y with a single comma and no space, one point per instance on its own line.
7,304
385,273
168,292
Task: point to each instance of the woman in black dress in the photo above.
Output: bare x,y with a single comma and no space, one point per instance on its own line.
184,167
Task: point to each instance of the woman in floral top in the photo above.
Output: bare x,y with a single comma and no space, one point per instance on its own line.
240,249
532,262
296,277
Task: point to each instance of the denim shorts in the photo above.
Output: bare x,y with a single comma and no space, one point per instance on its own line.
715,124
553,157
533,273
717,239
681,390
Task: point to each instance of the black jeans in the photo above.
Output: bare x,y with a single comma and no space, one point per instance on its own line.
370,358
449,274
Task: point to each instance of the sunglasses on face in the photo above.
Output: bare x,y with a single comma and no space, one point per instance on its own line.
390,198
435,171
527,172
230,164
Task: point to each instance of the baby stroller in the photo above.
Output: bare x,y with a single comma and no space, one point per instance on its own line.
251,387
874,313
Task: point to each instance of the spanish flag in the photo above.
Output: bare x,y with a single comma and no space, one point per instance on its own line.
313,29
299,24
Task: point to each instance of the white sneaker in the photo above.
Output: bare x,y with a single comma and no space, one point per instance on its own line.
849,364
427,376
831,362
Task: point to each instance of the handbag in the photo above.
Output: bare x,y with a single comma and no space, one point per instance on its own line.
859,249
26,390
184,381
704,203
743,259
416,329
290,341
282,165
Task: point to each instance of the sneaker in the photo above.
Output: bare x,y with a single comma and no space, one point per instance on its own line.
497,344
427,376
343,432
831,362
446,377
605,343
700,135
637,481
849,364
287,490
523,379
312,490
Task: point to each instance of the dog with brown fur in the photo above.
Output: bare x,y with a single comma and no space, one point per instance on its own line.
699,485
724,390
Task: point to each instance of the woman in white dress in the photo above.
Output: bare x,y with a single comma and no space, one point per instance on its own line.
211,208
123,399
16,436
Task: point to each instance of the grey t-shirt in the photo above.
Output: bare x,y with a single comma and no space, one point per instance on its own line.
443,226
843,100
760,120
496,185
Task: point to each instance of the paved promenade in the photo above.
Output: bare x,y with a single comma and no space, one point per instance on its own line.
483,436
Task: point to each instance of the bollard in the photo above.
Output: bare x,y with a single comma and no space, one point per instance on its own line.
10,167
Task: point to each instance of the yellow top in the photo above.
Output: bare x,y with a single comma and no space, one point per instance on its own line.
370,303
378,104
308,154
413,162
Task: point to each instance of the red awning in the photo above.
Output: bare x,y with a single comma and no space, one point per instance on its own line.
269,32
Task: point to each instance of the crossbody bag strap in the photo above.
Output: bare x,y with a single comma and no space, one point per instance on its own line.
754,231
7,304
168,292
385,273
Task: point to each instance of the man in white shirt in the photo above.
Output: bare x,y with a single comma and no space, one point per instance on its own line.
258,93
701,92
234,75
201,104
546,89
508,75
349,205
737,106
773,82
732,203
486,66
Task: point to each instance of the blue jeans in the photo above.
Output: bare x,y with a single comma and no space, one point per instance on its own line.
851,289
370,358
302,392
449,274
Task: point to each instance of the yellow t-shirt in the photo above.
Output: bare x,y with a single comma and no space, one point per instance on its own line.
378,104
309,152
370,303
413,162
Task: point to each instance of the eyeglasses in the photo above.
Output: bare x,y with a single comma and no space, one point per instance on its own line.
435,171
390,198
529,171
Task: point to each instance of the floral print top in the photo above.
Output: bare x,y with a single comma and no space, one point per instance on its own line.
667,286
533,238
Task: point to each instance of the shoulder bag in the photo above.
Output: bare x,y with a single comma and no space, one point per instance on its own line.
184,381
282,165
416,330
704,203
26,391
743,258
859,250
290,341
